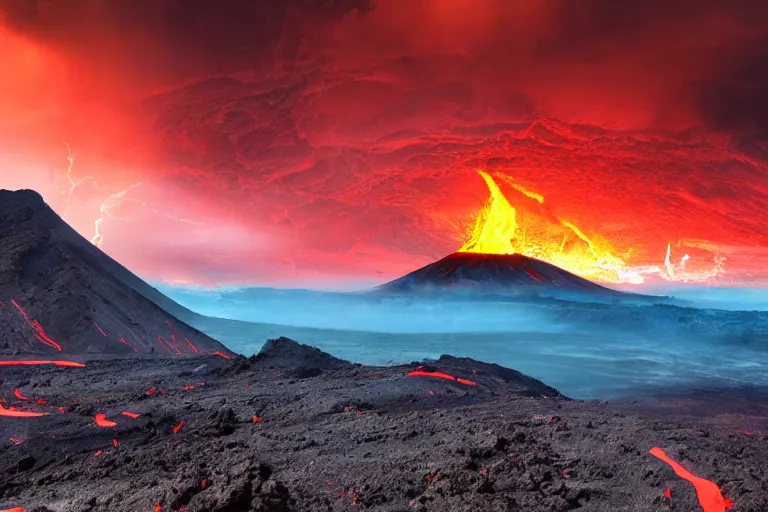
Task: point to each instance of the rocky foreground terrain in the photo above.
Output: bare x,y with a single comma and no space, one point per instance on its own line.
294,429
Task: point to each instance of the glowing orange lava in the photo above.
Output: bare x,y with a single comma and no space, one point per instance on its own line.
17,509
178,427
12,413
18,394
122,340
173,333
102,421
441,375
97,453
165,344
70,364
39,331
133,415
708,493
529,229
225,356
16,441
194,348
98,328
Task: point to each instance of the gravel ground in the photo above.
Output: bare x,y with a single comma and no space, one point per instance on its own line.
294,429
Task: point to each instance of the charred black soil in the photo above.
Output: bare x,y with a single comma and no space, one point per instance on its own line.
295,429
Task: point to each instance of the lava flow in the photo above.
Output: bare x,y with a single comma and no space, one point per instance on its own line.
12,413
98,328
532,230
708,493
440,375
39,331
122,340
165,344
70,364
102,421
192,346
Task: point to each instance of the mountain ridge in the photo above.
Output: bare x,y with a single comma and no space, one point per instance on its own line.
509,274
59,294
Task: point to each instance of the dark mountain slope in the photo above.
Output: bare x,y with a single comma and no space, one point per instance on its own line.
496,273
62,295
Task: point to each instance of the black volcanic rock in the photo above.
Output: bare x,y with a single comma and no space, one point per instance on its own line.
366,438
498,273
491,376
76,297
298,360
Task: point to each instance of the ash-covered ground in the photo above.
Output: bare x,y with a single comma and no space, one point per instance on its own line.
294,429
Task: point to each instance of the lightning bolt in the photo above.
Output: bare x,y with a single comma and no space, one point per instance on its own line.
110,203
73,184
105,210
116,200
678,272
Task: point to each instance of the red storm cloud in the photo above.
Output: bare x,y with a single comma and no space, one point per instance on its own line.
321,143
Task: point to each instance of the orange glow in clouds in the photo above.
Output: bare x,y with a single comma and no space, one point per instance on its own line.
621,147
529,229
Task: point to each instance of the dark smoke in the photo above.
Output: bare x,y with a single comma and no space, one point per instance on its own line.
176,38
690,61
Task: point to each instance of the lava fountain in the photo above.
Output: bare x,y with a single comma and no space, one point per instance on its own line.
531,230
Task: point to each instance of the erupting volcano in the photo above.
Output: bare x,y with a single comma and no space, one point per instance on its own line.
520,249
268,162
530,229
510,248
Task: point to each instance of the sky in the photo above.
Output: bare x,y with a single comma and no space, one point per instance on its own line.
336,144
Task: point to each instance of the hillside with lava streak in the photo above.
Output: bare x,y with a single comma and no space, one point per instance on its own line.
61,295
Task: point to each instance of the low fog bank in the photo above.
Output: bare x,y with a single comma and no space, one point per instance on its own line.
585,366
361,312
685,315
729,299
586,350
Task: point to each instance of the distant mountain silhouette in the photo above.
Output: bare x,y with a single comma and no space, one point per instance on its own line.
59,291
496,273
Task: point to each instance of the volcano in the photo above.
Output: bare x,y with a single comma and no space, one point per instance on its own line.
508,274
60,295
